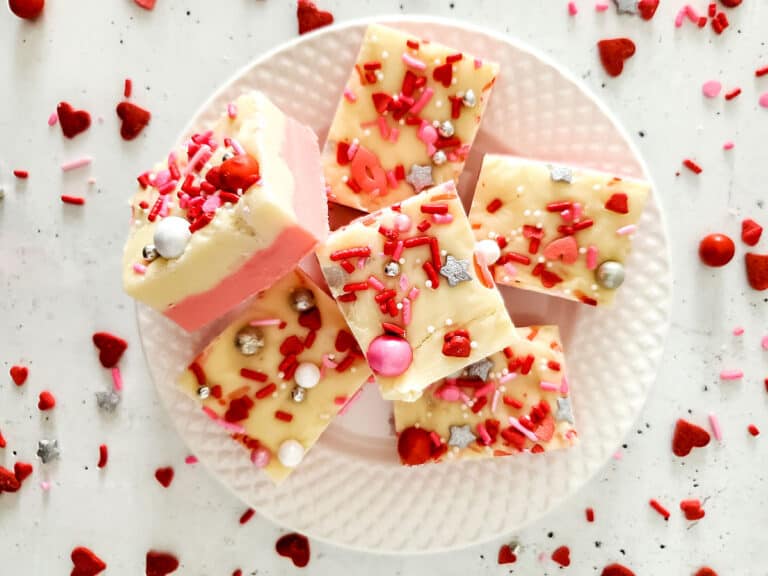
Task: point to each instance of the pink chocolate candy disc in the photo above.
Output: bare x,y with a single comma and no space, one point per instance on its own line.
389,355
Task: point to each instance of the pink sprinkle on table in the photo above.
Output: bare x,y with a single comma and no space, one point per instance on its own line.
77,163
764,342
728,145
763,101
715,425
572,8
690,11
191,459
266,322
731,375
117,379
45,486
679,18
413,293
53,119
738,331
601,6
711,88
626,230
618,455
564,386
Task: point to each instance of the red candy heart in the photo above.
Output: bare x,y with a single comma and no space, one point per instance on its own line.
146,4
647,8
757,270
458,346
705,571
616,570
565,248
294,546
414,445
546,429
687,437
86,562
310,319
19,374
750,232
161,563
443,74
238,173
506,555
26,9
692,509
310,18
22,471
345,341
46,401
164,476
613,52
562,556
291,345
72,121
134,119
8,481
110,347
618,202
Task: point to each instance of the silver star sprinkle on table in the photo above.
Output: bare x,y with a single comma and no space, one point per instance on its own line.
455,271
564,411
461,436
107,400
48,450
561,174
480,369
420,177
626,6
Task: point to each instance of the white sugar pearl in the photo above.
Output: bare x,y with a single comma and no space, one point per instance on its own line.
307,375
171,236
290,453
488,251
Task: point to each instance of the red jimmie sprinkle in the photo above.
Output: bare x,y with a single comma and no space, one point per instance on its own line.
692,166
103,456
494,205
250,374
732,94
284,416
761,71
128,88
76,200
659,508
247,515
197,370
358,252
21,174
590,513
754,430
265,391
435,208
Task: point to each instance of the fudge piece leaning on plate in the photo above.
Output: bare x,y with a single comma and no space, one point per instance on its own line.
512,401
553,229
407,119
232,210
405,280
279,373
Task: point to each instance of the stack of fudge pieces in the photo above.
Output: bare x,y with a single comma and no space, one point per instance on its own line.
411,300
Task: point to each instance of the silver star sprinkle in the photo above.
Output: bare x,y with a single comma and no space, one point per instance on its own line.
561,174
626,6
249,340
461,436
107,400
564,410
420,177
480,369
455,271
48,450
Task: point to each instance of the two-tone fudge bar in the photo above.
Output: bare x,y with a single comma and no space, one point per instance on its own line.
516,400
277,375
553,229
406,282
230,212
406,121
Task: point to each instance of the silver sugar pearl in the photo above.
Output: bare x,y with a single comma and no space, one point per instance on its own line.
298,394
610,274
446,129
149,252
469,99
203,392
302,299
439,157
391,269
249,340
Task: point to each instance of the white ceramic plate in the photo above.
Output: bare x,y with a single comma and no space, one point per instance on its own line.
351,489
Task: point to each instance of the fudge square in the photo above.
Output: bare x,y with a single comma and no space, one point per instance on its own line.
515,400
405,280
230,212
277,375
553,229
407,119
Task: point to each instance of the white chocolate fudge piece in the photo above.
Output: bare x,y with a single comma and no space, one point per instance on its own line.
231,211
562,231
407,119
279,373
515,400
405,280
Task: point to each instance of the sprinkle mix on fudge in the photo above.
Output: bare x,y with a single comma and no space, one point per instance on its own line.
566,232
407,119
405,279
279,373
513,401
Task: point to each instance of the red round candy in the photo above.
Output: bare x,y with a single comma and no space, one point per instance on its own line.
239,173
26,9
414,446
716,250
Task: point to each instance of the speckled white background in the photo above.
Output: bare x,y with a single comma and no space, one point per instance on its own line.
59,273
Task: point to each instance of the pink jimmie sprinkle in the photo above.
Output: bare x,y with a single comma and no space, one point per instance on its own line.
394,134
392,179
406,311
260,457
52,119
398,251
485,390
763,101
139,268
690,11
232,110
564,385
266,322
764,342
191,459
578,210
237,147
626,230
45,486
738,331
715,425
196,158
572,8
601,6
375,283
679,18
349,95
478,63
78,163
327,362
403,283
507,377
413,62
711,88
618,455
515,423
413,293
423,100
728,145
510,270
448,393
442,218
591,257
731,375
495,402
117,379
486,438
549,386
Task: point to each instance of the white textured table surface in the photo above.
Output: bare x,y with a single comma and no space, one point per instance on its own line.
59,271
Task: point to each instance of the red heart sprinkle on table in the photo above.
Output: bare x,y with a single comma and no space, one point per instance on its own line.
26,9
506,555
164,476
146,4
86,562
110,347
750,232
310,17
414,445
160,563
757,270
716,250
754,430
706,570
22,471
8,481
19,375
613,53
692,509
21,174
616,570
647,8
46,401
134,119
72,121
294,546
562,556
687,437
